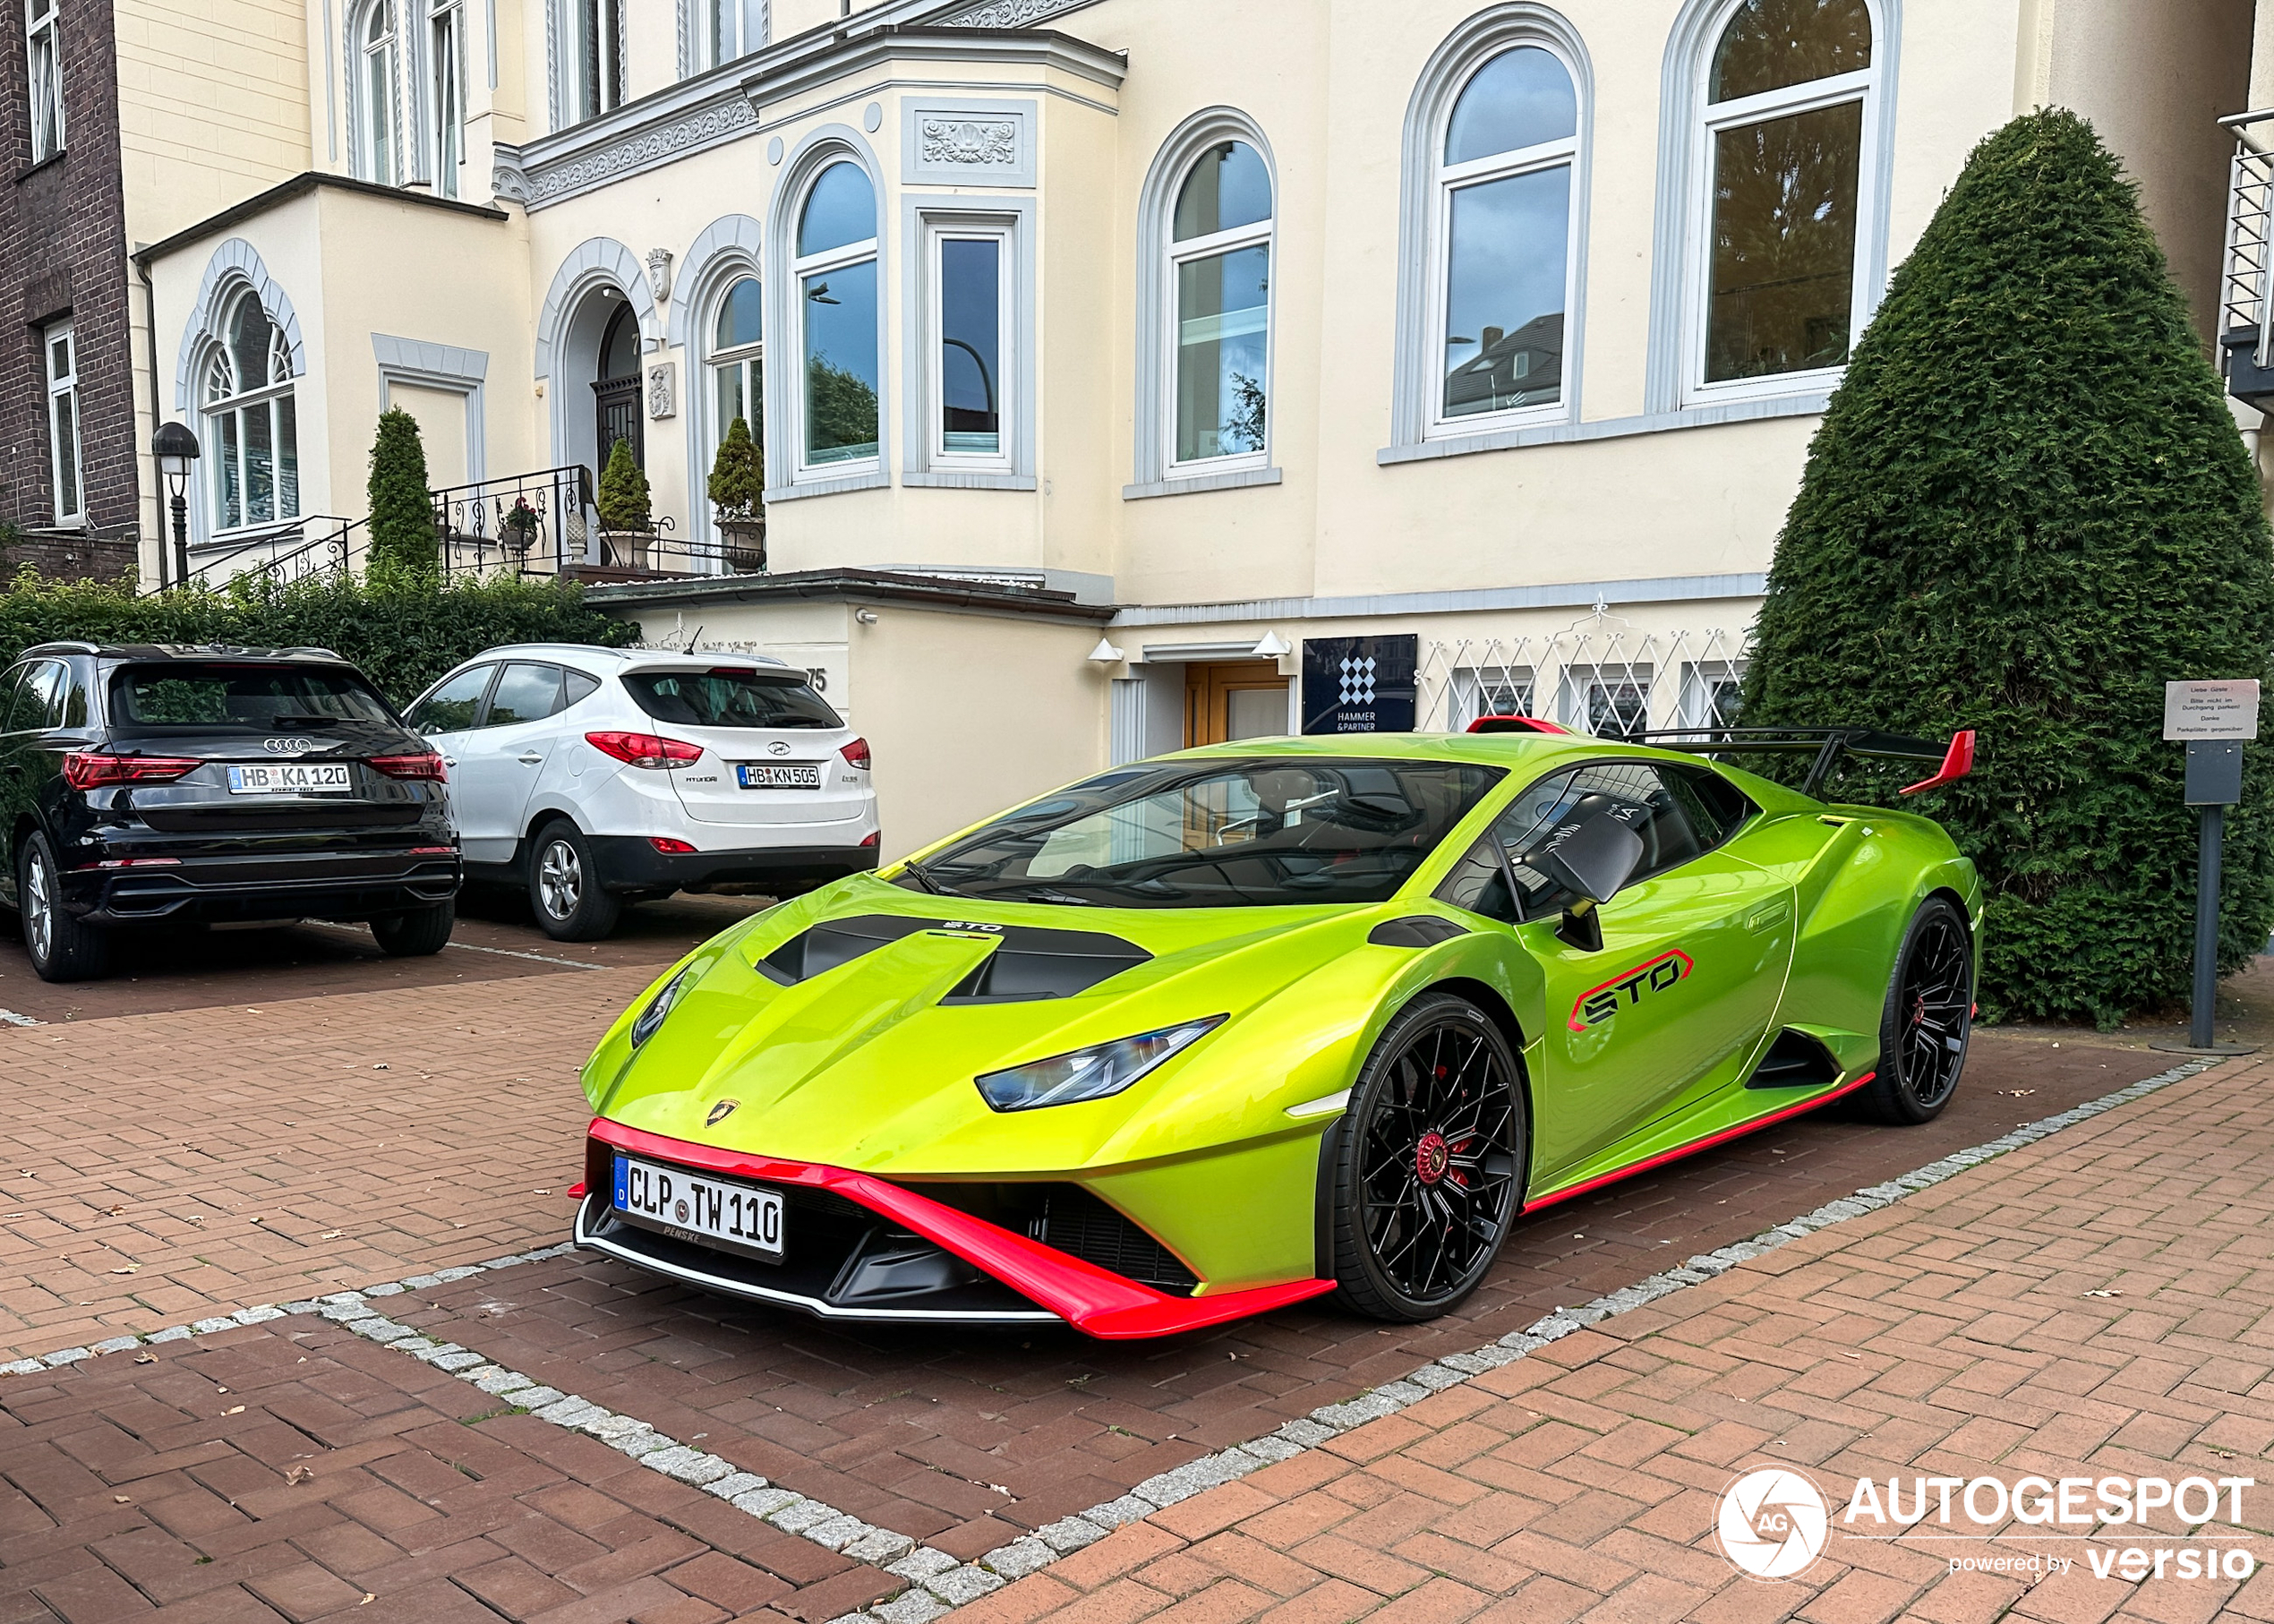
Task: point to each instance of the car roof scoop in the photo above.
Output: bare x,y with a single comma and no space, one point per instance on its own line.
1028,961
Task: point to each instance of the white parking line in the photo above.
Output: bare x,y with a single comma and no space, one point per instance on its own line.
541,958
9,1017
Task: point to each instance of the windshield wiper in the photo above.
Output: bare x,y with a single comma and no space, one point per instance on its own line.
290,719
916,871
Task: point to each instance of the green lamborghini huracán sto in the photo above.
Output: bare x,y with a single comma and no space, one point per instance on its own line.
1213,1033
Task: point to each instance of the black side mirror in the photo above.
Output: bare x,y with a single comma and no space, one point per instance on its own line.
1594,857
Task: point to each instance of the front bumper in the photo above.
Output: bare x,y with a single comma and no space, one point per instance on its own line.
867,1225
629,862
324,885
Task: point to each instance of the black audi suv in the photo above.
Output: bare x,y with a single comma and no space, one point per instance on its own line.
141,784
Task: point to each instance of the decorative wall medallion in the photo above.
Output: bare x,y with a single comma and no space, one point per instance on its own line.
659,274
972,143
663,388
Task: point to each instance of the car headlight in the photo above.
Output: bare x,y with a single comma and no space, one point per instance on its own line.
1091,1074
659,1005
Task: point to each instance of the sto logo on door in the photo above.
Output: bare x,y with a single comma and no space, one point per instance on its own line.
1598,1004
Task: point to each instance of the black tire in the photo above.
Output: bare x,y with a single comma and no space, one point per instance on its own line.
1429,1166
62,948
1928,1019
415,935
565,891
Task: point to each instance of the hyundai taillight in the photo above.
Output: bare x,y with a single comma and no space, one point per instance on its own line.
856,754
645,749
87,770
425,764
668,847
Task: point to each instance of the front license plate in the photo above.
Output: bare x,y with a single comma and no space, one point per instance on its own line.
689,1206
778,775
290,778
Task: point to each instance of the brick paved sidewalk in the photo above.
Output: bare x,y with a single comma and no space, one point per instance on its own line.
160,1168
292,1471
2099,1303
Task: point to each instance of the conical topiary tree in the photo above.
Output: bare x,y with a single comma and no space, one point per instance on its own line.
403,545
736,485
2027,507
623,501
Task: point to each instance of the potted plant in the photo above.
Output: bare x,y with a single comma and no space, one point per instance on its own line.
518,527
738,498
627,521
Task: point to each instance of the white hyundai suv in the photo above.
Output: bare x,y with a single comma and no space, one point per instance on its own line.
599,776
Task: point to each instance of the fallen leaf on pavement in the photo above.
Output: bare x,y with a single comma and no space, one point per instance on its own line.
2104,1294
127,1268
328,1235
146,1358
368,1599
301,1475
234,1409
378,1066
122,1499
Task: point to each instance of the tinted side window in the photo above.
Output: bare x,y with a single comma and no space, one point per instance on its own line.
1677,818
1714,806
75,707
578,688
450,709
526,693
10,681
38,701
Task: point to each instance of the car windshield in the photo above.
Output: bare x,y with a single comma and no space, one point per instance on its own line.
242,698
730,697
1229,833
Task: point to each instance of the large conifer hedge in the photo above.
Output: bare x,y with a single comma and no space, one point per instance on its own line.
2027,507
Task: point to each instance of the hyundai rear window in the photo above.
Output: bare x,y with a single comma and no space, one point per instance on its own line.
730,698
1271,831
249,698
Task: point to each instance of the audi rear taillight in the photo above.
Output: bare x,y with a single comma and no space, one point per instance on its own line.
90,769
425,764
645,749
856,754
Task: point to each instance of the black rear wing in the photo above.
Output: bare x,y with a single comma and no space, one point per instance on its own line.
1955,759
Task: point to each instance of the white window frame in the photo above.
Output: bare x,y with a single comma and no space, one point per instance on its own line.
1003,231
1472,684
868,249
1449,178
573,30
1707,120
44,93
1155,470
1262,233
710,426
1577,680
379,116
1696,705
63,387
753,29
263,396
445,92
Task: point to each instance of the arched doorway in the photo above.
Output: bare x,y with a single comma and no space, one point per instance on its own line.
615,387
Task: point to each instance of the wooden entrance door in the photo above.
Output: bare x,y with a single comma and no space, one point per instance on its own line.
1237,700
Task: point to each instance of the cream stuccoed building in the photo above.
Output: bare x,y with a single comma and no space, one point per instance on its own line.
1128,372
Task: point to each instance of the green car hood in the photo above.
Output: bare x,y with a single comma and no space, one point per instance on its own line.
863,1065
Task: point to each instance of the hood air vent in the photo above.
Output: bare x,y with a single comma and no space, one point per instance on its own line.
1030,961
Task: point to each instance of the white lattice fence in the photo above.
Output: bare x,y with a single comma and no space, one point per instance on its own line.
1594,678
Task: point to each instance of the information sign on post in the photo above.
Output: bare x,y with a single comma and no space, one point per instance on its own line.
2213,719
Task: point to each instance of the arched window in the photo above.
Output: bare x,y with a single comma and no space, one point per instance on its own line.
1787,96
251,433
736,361
835,274
377,145
1219,278
1501,240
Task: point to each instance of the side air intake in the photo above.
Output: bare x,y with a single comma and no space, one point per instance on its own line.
1795,1061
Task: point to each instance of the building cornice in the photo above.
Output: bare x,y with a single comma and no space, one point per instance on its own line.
856,586
723,105
301,185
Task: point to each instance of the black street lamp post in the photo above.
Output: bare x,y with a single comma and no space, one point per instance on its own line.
176,448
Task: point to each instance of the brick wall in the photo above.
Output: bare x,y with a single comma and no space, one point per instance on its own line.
68,555
63,254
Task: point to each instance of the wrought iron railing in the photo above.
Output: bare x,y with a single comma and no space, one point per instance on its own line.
540,523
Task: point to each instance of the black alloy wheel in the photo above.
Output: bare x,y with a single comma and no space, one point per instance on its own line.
61,947
1429,1166
1929,1018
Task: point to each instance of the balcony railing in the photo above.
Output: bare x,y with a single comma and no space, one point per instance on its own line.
539,524
2246,282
